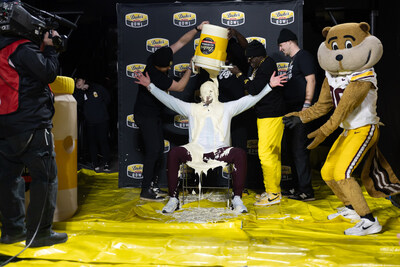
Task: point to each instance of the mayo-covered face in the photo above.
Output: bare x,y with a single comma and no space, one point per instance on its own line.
208,93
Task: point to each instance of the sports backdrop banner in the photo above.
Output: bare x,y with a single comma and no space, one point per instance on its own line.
143,28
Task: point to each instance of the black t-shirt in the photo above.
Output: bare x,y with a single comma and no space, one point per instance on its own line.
271,105
146,104
302,65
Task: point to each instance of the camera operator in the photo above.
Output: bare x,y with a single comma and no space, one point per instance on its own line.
26,140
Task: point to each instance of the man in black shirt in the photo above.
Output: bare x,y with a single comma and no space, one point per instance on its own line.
299,93
148,111
269,113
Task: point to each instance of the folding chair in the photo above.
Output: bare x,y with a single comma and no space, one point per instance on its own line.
188,181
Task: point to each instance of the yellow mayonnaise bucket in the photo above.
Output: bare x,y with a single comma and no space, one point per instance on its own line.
210,54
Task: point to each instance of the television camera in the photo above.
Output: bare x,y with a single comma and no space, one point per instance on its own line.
21,19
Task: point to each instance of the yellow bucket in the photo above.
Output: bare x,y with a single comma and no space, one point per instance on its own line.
210,54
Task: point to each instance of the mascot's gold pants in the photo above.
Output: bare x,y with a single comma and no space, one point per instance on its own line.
345,155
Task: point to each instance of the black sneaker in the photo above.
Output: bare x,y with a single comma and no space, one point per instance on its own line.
288,192
11,239
47,240
149,194
302,196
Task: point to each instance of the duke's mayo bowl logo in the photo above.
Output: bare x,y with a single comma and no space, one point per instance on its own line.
153,44
130,121
179,69
167,146
226,171
196,43
252,147
260,39
136,20
135,171
282,67
233,18
207,46
132,68
181,122
184,19
282,17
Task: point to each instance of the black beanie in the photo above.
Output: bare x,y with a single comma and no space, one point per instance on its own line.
255,49
163,57
286,35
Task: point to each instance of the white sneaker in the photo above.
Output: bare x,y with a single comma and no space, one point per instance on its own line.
364,227
237,205
346,213
172,205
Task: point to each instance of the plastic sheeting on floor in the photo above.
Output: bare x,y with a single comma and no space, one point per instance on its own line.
113,227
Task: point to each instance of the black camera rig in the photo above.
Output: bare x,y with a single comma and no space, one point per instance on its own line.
21,19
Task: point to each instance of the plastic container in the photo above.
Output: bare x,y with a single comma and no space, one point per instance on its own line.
210,54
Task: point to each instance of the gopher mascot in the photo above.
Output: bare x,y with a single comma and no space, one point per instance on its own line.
348,55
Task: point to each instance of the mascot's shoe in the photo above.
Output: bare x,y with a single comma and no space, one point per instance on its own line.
150,195
346,213
238,206
269,199
47,240
11,239
364,227
172,205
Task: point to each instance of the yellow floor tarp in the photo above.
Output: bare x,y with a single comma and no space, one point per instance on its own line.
113,227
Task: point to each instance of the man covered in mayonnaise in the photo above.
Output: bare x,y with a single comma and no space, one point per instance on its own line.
209,135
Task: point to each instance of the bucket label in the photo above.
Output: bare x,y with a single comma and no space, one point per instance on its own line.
136,20
207,46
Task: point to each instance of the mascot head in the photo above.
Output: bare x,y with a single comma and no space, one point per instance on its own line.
348,48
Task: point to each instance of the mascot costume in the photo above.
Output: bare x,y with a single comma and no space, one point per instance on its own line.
348,55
